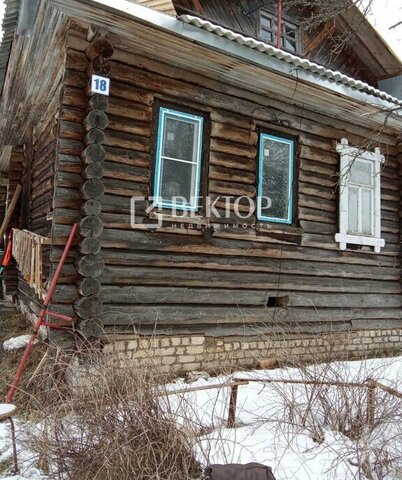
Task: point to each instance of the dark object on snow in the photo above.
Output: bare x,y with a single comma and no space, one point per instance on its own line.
233,471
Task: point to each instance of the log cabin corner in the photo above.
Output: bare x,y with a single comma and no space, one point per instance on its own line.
235,200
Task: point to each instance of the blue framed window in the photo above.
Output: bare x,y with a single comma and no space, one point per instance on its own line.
178,160
275,179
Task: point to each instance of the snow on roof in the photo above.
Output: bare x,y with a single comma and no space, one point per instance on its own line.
287,57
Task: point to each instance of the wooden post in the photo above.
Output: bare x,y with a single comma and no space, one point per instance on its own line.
371,401
10,210
232,405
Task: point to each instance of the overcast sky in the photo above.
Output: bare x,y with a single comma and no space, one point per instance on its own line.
385,13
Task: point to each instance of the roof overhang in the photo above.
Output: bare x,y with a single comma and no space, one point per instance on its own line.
369,45
247,63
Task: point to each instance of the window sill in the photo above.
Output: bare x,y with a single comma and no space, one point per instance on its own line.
190,219
343,239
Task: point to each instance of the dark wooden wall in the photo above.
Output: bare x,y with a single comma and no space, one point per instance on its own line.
15,174
38,184
321,44
178,279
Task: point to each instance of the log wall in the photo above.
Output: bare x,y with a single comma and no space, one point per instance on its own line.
15,174
38,182
188,280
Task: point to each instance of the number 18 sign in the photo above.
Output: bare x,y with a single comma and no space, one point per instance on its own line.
100,85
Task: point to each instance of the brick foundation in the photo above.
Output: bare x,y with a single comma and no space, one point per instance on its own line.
188,353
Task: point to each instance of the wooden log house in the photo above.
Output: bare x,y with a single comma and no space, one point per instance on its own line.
166,176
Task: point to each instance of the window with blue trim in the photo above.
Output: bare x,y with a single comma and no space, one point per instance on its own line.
275,179
178,160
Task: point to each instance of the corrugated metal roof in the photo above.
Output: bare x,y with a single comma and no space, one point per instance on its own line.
8,26
303,63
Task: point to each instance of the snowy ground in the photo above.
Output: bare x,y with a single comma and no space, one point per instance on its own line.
268,428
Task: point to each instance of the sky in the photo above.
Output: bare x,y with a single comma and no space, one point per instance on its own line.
385,13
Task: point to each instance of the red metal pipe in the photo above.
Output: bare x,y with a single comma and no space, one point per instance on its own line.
279,24
39,321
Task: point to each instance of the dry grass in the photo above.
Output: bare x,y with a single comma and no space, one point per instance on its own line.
113,425
13,324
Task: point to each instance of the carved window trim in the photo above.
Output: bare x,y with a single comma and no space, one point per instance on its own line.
348,156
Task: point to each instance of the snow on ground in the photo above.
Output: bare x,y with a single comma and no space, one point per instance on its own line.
16,343
26,459
268,428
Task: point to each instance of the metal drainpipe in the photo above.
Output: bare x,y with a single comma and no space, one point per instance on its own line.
279,25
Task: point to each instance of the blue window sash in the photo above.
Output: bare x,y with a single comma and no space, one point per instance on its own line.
261,165
158,202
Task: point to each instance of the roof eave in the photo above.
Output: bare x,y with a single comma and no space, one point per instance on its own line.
211,40
8,26
367,34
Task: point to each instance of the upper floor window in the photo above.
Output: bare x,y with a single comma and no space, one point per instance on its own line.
275,184
360,197
290,35
178,160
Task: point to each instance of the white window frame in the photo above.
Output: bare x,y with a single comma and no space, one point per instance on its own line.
198,121
348,155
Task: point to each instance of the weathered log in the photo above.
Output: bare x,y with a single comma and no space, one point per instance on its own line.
91,207
95,119
91,265
88,307
91,328
90,226
90,245
74,97
70,130
70,147
99,66
88,286
127,157
95,136
97,102
95,170
100,47
93,153
92,189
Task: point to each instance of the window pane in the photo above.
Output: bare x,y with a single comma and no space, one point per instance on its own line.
367,209
266,22
290,32
179,139
361,173
289,44
353,208
178,179
267,36
277,157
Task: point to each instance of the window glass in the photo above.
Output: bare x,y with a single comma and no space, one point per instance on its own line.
276,177
179,139
178,180
361,173
178,160
353,210
367,211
